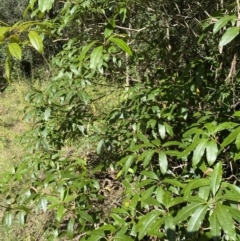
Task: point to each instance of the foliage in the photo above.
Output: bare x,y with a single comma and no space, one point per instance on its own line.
166,160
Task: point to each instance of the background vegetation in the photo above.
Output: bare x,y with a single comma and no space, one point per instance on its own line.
134,135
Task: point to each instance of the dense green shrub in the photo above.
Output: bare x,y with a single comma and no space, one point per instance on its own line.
163,160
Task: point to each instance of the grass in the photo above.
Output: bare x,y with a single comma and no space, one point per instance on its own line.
12,126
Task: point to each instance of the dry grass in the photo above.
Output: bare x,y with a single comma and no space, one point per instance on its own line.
12,125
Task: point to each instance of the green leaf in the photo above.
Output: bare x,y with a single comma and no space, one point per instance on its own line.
167,197
145,223
176,201
99,146
216,178
15,50
70,228
237,141
235,213
96,55
85,50
3,30
60,212
122,237
186,212
226,221
36,41
230,196
170,227
45,5
215,226
229,35
8,219
230,138
86,216
222,22
151,175
196,219
47,114
193,185
7,66
162,130
211,151
174,182
121,44
169,129
199,151
163,162
147,157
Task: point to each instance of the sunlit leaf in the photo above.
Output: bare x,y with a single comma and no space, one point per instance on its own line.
15,50
170,227
196,219
229,35
186,212
199,151
215,226
222,22
36,41
216,178
121,44
226,221
96,55
163,162
211,151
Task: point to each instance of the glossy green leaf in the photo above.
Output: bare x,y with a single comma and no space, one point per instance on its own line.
237,141
230,138
163,162
186,212
229,35
169,129
211,151
147,157
193,185
170,227
230,196
162,130
216,178
15,50
151,175
167,197
121,44
70,228
215,226
176,201
145,223
197,219
96,55
222,22
199,151
36,41
226,221
45,5
235,213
